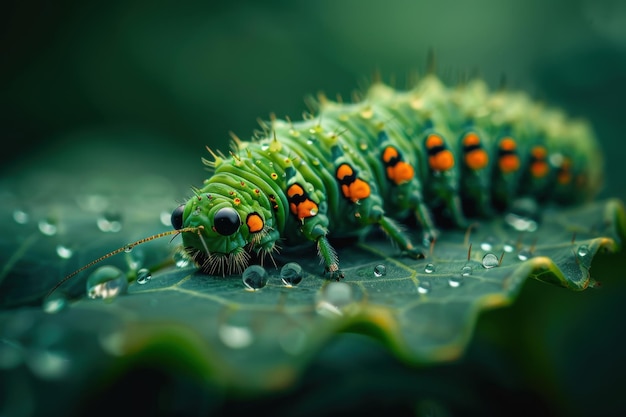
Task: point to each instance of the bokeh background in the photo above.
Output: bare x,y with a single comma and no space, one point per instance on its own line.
145,86
155,75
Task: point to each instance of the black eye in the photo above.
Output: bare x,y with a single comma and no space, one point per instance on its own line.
177,217
226,221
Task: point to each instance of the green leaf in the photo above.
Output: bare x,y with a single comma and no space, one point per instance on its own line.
217,330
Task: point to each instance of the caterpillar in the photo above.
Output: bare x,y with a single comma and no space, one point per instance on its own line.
440,155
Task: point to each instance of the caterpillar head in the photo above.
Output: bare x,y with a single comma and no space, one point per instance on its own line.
228,233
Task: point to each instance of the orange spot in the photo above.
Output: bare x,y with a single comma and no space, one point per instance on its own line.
294,190
471,139
400,173
389,153
433,140
441,161
343,171
508,163
305,209
508,144
539,152
254,222
476,159
539,169
356,190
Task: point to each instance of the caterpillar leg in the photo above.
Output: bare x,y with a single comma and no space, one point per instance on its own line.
395,232
424,218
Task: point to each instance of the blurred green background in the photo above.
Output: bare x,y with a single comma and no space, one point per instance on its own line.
144,86
188,73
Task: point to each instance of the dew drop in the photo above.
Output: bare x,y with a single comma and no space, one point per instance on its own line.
509,246
265,147
254,277
380,270
524,255
333,298
48,364
519,223
55,303
128,248
456,281
583,250
429,268
424,287
181,260
48,227
235,337
20,216
291,274
143,276
490,261
166,218
466,270
488,243
106,282
109,222
64,252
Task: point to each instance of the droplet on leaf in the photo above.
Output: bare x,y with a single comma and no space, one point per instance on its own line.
106,282
490,261
254,277
291,274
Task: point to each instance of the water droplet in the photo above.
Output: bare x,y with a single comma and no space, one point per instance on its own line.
181,259
64,252
48,364
519,223
110,222
143,276
429,268
311,140
48,227
524,255
456,281
128,248
333,298
235,337
466,270
106,282
424,287
265,146
254,277
509,246
166,218
380,270
291,274
55,303
20,216
490,261
488,243
583,250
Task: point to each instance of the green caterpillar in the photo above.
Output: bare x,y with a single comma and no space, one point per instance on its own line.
442,155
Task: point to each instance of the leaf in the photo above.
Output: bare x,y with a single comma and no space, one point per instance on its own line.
256,341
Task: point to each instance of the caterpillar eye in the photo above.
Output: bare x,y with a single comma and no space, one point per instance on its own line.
177,217
226,221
